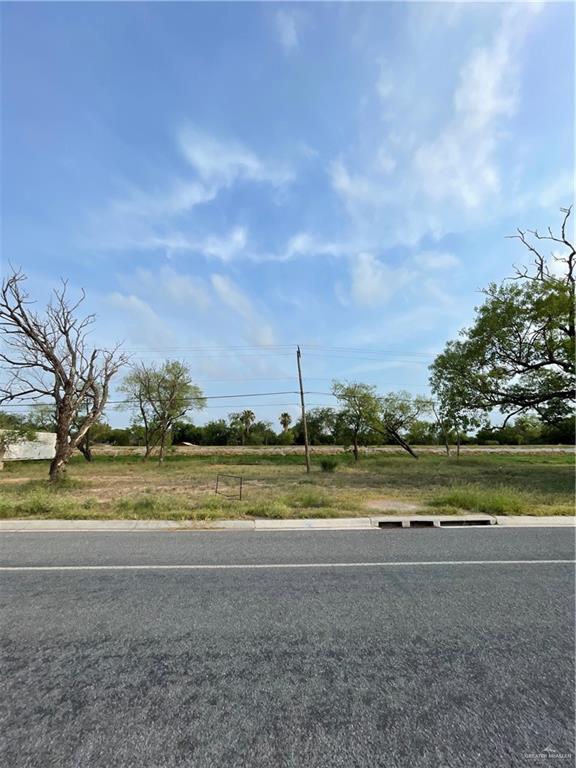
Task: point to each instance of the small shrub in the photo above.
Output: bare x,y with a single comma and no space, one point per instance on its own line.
310,500
329,464
274,510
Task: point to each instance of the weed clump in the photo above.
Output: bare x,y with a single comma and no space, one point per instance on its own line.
502,501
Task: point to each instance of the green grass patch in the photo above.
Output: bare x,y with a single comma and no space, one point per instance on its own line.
495,501
501,501
277,486
40,504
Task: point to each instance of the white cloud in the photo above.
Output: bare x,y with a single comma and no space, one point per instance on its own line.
132,304
386,162
147,219
558,192
175,287
225,248
262,335
385,84
358,189
461,164
435,260
231,296
374,282
436,169
140,322
221,163
222,247
179,198
306,244
286,30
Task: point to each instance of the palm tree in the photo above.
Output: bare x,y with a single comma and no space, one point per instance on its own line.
247,418
285,421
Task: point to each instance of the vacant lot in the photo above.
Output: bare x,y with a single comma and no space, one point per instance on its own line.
277,486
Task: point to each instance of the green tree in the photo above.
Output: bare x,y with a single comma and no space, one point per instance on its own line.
321,424
529,429
397,412
120,437
216,433
184,432
519,354
285,420
360,408
390,416
42,417
159,396
14,429
423,433
241,422
261,433
455,412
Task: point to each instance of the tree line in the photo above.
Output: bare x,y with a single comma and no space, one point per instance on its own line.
517,359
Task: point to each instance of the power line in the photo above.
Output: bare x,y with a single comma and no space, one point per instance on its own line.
130,400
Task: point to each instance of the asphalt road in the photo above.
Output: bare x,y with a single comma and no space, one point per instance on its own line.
388,648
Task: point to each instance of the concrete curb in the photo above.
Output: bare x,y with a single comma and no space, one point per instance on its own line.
534,522
309,524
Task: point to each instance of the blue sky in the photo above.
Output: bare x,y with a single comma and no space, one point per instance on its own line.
228,180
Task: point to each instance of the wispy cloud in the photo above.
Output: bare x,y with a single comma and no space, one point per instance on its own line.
158,218
461,164
222,247
558,192
140,321
375,282
220,163
236,300
166,284
430,182
307,244
180,197
435,260
286,30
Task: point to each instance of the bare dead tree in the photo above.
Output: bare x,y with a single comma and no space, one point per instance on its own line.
48,355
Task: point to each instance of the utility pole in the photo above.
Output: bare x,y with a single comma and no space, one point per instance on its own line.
306,447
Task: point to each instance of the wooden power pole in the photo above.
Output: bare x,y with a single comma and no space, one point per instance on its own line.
306,446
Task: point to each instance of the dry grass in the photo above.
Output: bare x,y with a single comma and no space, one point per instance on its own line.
275,485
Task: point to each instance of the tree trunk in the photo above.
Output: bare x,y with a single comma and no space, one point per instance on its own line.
458,445
162,444
402,443
85,449
84,445
64,446
443,429
59,462
355,447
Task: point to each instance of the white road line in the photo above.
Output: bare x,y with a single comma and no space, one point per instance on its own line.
252,566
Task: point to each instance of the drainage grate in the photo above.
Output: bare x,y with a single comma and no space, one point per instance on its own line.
390,524
480,521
